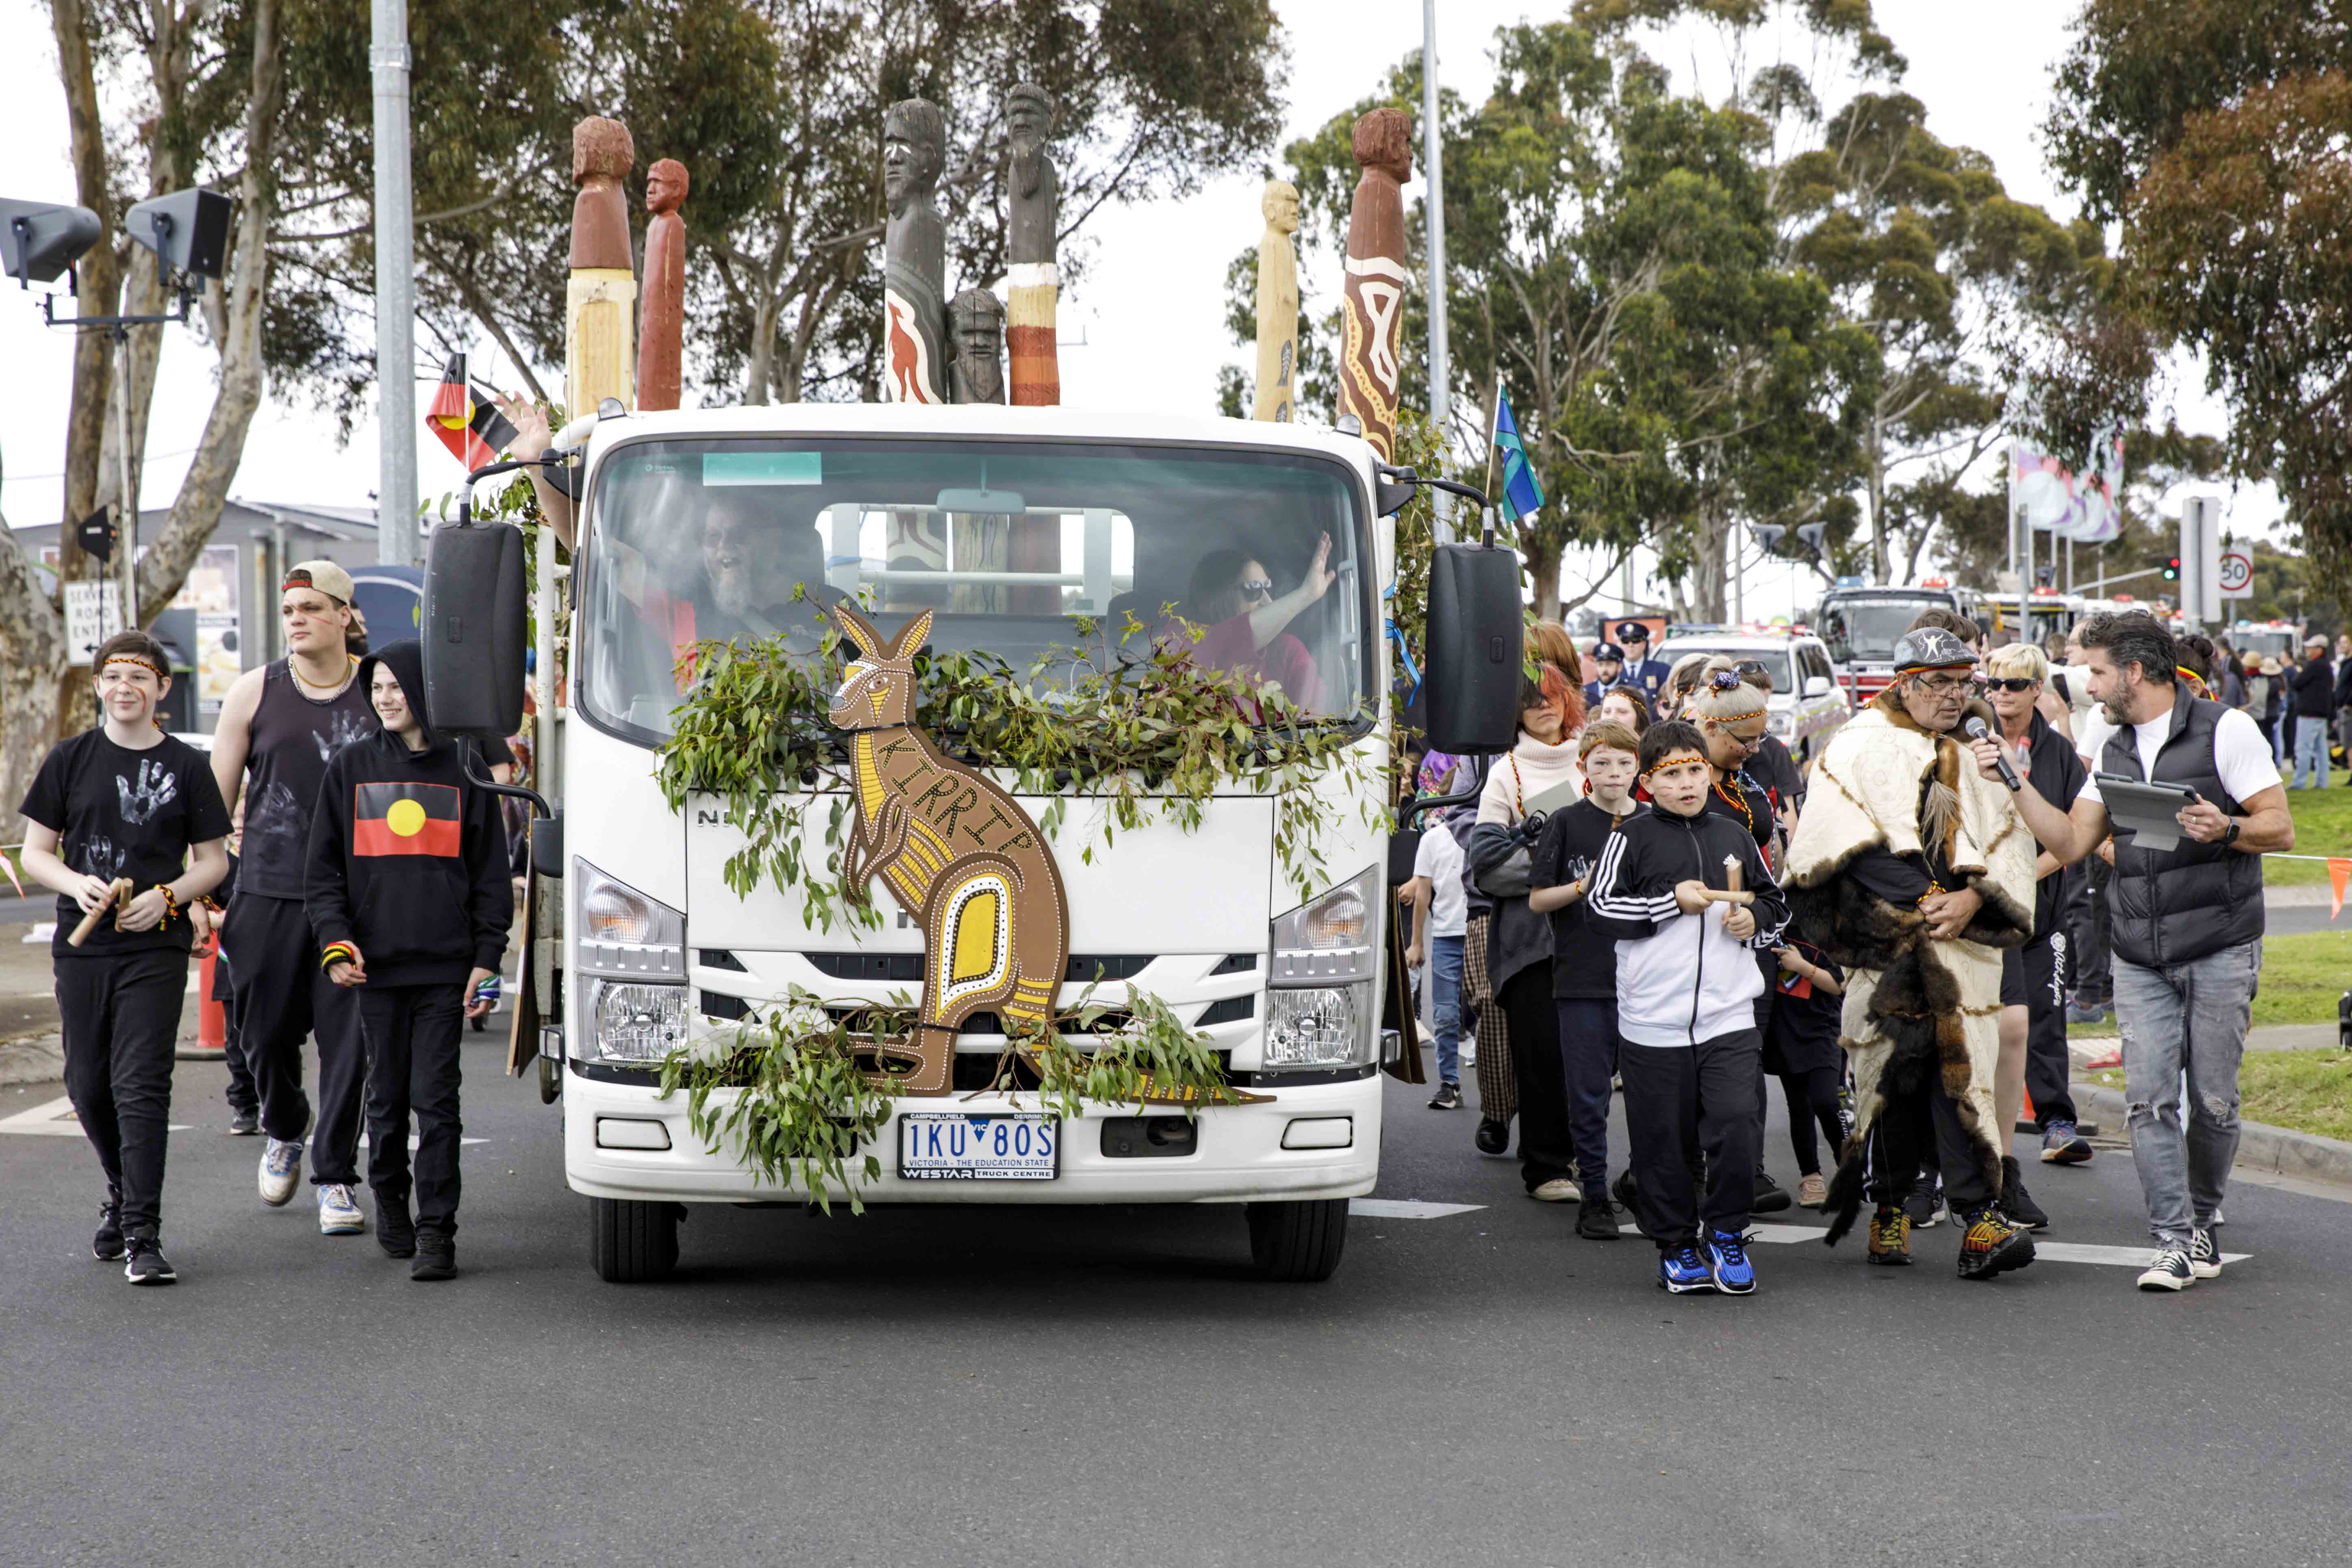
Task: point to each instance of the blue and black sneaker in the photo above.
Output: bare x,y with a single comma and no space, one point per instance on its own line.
1683,1270
1726,1261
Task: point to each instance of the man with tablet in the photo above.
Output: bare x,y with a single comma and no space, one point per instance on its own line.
2187,916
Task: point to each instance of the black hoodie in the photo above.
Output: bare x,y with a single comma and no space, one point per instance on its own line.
408,861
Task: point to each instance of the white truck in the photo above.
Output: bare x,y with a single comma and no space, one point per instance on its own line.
1005,523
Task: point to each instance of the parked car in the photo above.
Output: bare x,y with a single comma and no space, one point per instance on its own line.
1807,704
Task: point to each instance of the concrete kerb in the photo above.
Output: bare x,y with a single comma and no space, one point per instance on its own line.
39,1059
2261,1147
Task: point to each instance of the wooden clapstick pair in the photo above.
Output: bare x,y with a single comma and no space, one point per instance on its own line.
116,896
1733,894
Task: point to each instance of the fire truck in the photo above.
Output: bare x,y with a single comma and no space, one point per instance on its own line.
1861,624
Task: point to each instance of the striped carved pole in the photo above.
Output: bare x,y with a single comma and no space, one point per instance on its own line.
1372,304
1033,285
600,295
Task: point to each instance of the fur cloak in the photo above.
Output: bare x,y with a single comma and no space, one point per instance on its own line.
1913,1005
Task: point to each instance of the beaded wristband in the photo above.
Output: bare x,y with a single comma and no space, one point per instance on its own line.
337,952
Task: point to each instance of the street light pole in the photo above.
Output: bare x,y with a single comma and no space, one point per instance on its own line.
395,296
1433,204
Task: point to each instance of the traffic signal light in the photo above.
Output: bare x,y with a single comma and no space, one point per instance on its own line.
2172,569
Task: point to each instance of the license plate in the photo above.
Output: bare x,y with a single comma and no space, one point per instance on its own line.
944,1147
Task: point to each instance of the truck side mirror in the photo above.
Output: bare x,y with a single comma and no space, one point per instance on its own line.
1817,686
1474,644
475,628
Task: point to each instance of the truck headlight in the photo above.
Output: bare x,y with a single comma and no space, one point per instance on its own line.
636,1022
1781,722
622,933
1328,938
1313,1026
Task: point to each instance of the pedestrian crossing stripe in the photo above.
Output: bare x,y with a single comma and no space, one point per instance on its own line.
56,1118
1406,1208
2044,1251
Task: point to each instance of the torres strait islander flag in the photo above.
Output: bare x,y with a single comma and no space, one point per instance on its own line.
406,819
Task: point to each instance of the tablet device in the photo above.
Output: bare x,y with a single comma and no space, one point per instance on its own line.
2151,810
1558,797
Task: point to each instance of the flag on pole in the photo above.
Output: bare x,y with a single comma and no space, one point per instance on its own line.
467,423
1521,495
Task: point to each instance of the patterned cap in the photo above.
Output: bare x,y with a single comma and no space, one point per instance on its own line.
1931,648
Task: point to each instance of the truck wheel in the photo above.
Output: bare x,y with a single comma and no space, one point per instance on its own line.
1298,1242
632,1243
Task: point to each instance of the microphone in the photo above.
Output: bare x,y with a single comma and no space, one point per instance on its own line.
1976,731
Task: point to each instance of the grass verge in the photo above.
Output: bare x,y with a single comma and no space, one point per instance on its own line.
2303,976
2323,826
2304,1091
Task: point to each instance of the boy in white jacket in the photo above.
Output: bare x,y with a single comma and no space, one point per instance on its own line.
1687,983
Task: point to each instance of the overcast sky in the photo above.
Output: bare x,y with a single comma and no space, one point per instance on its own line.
1150,314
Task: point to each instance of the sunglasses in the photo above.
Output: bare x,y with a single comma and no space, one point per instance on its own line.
1256,588
2013,682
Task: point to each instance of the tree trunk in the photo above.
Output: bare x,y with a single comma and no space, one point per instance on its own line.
32,643
1708,566
1542,558
1877,495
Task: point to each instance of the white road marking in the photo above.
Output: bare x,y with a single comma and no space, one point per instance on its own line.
1406,1208
56,1120
41,931
2044,1251
412,1141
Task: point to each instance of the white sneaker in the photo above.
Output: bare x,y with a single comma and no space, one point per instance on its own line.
2169,1271
337,1215
2204,1257
1558,1190
282,1172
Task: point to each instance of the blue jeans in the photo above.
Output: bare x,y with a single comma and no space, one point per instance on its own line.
2310,753
1445,1005
2189,1017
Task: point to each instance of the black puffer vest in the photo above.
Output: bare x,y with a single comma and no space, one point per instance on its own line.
2173,906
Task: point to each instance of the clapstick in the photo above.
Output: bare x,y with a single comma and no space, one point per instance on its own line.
115,893
1731,892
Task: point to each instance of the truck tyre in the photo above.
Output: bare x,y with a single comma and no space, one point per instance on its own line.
1298,1242
632,1243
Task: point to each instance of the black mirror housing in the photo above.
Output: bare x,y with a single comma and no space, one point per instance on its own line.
476,625
1476,645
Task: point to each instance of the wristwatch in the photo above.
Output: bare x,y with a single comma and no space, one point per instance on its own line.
2231,836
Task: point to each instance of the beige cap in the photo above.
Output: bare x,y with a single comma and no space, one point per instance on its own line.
2315,640
324,575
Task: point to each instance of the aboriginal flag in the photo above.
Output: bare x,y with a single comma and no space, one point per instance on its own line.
406,819
468,424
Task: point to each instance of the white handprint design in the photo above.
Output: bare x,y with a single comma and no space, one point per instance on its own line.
102,859
157,788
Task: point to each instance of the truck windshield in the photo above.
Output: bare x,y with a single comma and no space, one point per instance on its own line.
1010,542
1867,629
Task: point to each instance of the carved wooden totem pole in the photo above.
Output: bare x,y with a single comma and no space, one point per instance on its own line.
1374,303
915,241
977,324
661,319
1277,391
598,301
1034,285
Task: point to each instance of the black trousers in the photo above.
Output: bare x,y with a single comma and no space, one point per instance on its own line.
282,995
1588,1058
413,1034
2087,927
1906,1134
241,1095
1546,1152
121,1018
1813,1098
2047,1068
1681,1101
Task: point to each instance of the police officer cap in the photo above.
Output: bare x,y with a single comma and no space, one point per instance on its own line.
1930,648
1610,651
1633,631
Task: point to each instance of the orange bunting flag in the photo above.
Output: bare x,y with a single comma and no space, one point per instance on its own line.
471,427
2339,871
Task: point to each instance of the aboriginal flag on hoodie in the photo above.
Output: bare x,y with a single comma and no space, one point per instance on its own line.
408,858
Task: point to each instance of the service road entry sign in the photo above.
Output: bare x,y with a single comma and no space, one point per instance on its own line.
93,613
2237,575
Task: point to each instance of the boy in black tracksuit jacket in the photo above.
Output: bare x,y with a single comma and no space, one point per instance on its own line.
407,892
1687,984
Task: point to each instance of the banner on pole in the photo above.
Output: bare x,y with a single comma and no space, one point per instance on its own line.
2085,507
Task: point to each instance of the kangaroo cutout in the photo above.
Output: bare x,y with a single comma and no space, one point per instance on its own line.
956,852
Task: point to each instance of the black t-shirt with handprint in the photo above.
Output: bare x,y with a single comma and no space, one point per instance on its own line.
120,813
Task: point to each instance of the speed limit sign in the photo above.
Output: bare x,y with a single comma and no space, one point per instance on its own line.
2237,575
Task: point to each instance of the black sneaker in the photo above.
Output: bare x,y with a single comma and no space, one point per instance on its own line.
1625,1190
394,1231
436,1258
2170,1271
1447,1097
1596,1217
1924,1205
2015,1201
1493,1137
107,1244
148,1265
1771,1197
244,1123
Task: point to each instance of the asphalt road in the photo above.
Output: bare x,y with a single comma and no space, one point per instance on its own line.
1108,1386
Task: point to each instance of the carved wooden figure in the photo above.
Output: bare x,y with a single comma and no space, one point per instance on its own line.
956,852
661,318
914,244
1276,394
1374,303
976,322
598,300
1033,283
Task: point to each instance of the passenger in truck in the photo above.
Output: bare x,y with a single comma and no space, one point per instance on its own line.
1234,621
